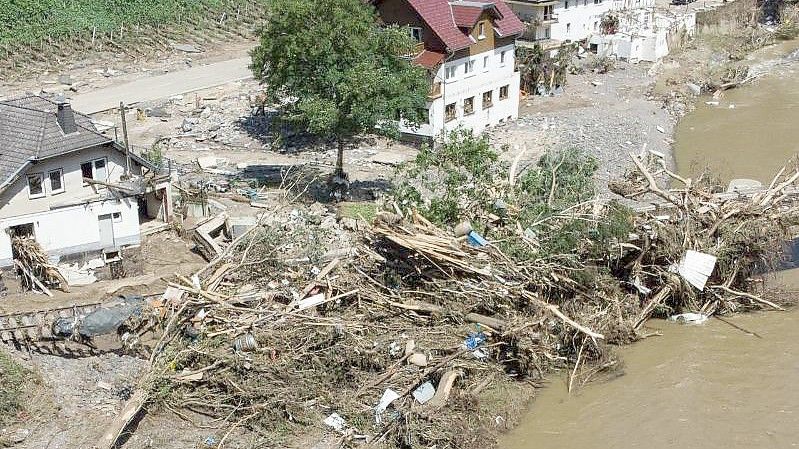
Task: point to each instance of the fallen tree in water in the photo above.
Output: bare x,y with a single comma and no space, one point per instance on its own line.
426,334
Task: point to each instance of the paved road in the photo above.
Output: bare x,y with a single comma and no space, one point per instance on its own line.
163,86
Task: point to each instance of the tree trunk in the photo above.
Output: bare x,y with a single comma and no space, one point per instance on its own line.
340,159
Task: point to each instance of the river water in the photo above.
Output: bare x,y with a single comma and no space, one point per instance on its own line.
710,386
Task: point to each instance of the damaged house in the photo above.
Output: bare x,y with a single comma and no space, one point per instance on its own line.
72,189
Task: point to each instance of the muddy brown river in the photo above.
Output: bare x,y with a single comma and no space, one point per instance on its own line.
709,386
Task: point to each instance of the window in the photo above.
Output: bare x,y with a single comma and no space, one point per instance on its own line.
566,5
485,62
36,185
503,92
468,106
424,116
468,67
450,112
596,25
481,30
597,2
549,12
416,34
547,33
450,72
487,99
56,181
95,169
502,57
568,28
116,217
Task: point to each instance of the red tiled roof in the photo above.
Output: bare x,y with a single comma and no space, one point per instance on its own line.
509,24
429,59
466,16
444,17
438,15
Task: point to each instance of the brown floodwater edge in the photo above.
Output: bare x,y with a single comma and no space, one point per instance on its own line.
713,385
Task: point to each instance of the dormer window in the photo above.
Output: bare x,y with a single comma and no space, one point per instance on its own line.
416,34
481,30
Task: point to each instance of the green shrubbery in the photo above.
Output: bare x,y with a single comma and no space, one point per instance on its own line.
465,179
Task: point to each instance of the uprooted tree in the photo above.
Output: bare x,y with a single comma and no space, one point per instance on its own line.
337,72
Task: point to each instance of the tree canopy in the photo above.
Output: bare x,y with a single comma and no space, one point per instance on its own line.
338,72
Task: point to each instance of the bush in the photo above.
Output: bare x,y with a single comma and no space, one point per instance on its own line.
452,182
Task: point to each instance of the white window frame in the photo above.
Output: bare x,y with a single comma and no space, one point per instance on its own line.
450,73
416,33
502,57
468,67
116,217
481,30
485,62
449,118
41,183
53,190
507,92
94,169
465,112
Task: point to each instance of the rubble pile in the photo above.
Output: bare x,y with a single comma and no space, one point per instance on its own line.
37,271
408,340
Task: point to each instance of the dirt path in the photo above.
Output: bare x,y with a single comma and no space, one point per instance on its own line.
163,86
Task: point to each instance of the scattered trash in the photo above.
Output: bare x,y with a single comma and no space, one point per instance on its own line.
388,397
476,239
741,184
418,359
311,301
210,441
474,340
694,88
661,129
424,392
696,268
245,343
689,318
206,162
336,422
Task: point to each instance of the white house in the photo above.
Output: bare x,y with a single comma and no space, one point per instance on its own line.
71,188
468,48
644,35
551,23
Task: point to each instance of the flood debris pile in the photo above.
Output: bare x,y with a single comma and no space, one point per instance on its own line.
37,273
476,279
703,249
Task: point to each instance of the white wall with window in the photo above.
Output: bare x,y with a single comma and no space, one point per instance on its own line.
471,98
62,209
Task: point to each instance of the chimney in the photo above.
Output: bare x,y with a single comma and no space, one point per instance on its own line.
66,118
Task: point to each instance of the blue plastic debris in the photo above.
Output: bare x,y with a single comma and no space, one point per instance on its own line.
210,441
474,340
476,239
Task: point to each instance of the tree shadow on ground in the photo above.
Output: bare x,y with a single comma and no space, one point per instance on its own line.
311,183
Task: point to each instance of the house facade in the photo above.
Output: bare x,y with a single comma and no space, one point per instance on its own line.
71,188
468,49
550,23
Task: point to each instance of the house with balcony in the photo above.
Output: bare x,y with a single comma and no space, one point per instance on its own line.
468,48
550,23
72,189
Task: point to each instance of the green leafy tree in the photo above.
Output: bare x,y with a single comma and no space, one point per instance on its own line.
338,72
